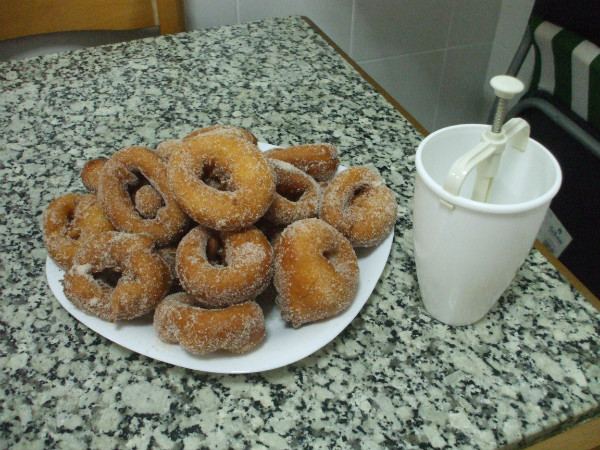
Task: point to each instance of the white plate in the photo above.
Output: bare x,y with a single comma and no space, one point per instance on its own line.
282,345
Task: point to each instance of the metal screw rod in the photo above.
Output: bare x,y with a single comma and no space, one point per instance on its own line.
499,115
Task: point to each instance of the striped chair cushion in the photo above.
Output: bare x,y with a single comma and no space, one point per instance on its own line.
568,67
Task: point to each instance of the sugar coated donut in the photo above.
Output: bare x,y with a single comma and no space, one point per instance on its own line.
316,272
68,220
165,148
90,173
237,328
320,161
359,204
297,195
229,130
117,276
119,180
89,217
222,182
235,272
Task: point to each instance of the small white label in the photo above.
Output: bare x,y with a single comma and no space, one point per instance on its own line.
553,234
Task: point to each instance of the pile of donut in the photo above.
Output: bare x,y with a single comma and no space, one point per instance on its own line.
204,228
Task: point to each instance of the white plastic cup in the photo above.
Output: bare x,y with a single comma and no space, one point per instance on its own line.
468,252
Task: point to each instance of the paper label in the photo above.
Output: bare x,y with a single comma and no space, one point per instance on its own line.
553,234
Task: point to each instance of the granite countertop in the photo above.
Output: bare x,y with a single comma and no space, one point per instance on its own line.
394,378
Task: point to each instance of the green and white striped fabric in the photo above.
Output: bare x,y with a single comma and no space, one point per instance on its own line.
568,67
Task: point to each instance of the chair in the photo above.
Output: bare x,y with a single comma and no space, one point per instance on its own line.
562,106
22,18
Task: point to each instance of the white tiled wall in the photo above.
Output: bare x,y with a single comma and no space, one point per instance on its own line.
433,56
511,27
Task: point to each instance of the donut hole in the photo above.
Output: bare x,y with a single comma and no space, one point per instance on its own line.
215,251
291,193
109,276
359,192
329,254
334,258
71,229
215,176
148,201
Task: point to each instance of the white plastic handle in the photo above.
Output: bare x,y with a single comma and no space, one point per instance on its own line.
485,156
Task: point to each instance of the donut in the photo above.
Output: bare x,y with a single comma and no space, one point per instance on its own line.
89,217
117,276
220,181
229,130
297,195
60,239
90,173
359,204
320,161
68,220
147,201
237,328
119,179
164,149
316,272
239,267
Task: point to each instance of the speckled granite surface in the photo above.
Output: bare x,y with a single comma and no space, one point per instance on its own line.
393,379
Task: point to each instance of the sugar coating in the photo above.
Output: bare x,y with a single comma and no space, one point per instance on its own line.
297,195
316,272
237,328
359,204
165,148
249,185
82,269
68,220
224,130
246,272
117,175
147,201
144,276
90,173
320,161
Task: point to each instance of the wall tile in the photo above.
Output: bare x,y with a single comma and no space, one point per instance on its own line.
473,22
461,96
511,23
413,80
385,28
209,13
500,59
333,17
